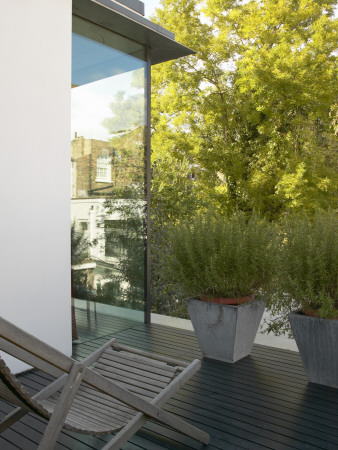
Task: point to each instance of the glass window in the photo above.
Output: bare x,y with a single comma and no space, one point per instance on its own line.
103,167
98,53
108,154
115,238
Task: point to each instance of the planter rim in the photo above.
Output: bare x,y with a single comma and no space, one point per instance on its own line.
257,299
228,300
299,313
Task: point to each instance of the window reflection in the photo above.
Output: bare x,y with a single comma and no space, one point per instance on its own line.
98,53
107,153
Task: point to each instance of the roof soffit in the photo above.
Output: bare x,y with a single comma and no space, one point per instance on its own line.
121,20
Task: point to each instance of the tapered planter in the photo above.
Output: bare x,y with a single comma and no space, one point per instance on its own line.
225,332
317,341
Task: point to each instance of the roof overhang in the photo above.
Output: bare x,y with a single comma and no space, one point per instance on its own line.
124,21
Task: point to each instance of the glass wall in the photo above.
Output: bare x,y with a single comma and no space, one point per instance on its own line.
108,171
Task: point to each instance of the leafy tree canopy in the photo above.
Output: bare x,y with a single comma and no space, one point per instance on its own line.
255,108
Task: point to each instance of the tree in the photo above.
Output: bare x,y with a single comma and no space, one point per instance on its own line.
254,107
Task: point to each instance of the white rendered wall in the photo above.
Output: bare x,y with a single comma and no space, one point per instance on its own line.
35,81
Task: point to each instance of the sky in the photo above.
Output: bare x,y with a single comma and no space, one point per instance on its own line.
149,6
88,121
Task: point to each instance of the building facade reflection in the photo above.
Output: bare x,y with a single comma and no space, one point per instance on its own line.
108,170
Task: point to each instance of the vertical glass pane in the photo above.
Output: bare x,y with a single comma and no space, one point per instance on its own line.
107,153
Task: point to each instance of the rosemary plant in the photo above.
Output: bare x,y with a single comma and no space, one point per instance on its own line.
308,274
215,256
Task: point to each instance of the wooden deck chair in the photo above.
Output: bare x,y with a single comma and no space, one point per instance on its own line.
114,390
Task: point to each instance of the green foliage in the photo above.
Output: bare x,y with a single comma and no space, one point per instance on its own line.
124,284
222,256
111,293
173,199
79,247
173,191
308,274
79,254
254,108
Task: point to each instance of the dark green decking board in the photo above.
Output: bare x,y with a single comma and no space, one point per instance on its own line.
263,401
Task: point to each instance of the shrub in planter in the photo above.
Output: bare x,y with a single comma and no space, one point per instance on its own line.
214,256
216,260
308,269
308,292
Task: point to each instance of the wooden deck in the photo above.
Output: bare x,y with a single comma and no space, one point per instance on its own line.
263,401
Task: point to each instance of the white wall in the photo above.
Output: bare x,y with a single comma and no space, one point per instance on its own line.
35,80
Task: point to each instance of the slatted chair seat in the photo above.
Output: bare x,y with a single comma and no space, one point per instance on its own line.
93,412
114,390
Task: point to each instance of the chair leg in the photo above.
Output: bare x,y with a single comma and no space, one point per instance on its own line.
126,433
62,407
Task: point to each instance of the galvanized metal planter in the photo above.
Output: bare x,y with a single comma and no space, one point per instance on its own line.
225,332
317,341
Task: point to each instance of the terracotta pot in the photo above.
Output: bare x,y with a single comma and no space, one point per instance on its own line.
228,300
